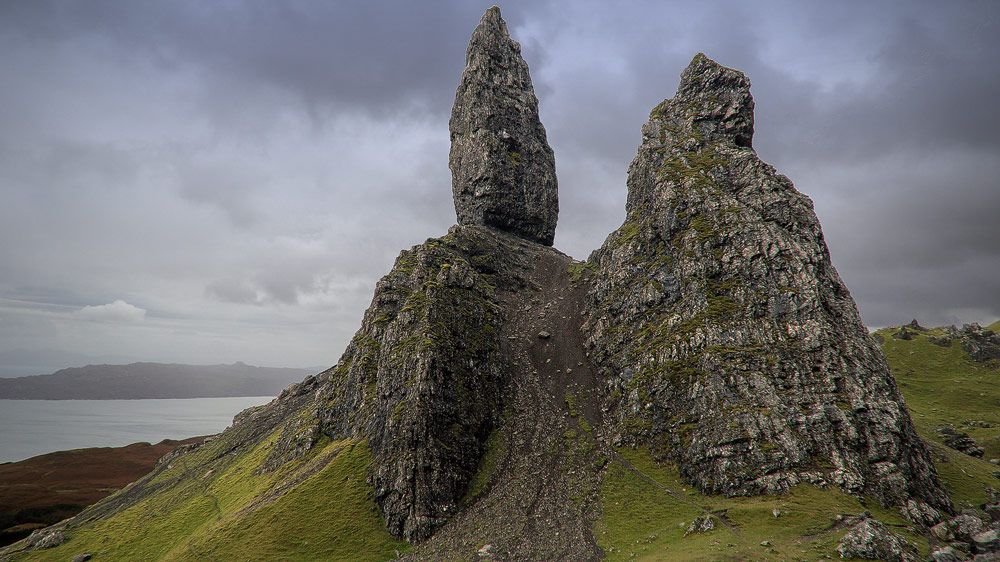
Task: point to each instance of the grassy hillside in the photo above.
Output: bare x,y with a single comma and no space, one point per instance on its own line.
643,522
316,508
319,507
941,385
46,489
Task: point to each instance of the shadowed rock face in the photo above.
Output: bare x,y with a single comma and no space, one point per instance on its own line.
728,341
503,170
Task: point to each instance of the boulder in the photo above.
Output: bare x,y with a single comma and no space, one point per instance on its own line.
44,538
902,334
961,442
701,525
947,554
986,541
871,540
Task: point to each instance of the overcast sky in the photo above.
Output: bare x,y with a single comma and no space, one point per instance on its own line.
220,181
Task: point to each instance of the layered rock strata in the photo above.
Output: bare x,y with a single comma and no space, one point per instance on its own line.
503,171
727,340
422,380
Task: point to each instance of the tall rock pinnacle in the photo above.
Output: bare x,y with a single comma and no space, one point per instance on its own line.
728,341
503,170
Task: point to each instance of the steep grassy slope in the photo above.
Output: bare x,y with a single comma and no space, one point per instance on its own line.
240,514
46,489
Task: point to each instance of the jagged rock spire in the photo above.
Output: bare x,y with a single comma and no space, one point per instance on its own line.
717,100
728,341
503,170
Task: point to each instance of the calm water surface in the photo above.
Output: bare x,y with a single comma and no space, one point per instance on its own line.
34,427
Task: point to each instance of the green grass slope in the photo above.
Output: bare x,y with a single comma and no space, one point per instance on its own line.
643,521
319,507
316,508
646,517
943,385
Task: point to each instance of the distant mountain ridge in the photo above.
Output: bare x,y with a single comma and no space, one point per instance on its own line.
151,380
28,362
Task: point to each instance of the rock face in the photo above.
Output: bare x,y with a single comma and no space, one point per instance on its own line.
728,341
503,171
871,540
982,344
422,379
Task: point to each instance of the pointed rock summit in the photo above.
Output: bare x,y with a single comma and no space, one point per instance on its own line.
716,100
503,170
728,342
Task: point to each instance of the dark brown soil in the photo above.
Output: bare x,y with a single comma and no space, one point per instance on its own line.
48,488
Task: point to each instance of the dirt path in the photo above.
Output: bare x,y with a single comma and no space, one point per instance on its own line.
543,497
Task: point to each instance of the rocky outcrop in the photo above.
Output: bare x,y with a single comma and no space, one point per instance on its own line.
503,171
422,378
44,538
871,540
903,334
711,328
728,342
980,343
960,441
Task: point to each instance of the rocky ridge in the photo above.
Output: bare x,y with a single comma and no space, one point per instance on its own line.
982,344
498,385
727,340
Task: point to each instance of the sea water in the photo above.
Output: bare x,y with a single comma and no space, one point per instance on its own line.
34,427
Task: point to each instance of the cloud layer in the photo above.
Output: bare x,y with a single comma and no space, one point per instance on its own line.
118,311
242,173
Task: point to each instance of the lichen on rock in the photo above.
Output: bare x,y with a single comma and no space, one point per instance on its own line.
728,341
503,170
422,378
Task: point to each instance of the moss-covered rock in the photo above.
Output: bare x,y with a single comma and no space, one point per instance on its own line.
422,379
728,341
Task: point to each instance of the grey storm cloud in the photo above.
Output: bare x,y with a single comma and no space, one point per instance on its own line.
243,172
379,57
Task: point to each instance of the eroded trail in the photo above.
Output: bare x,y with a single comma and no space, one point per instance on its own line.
542,497
543,493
